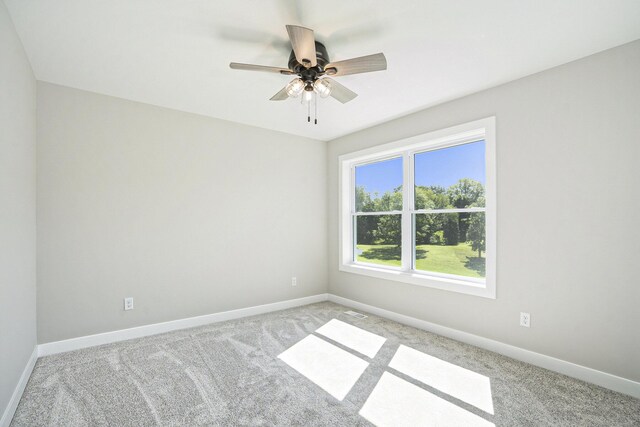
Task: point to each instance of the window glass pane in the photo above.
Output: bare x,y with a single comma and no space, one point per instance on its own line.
452,243
379,186
378,239
452,177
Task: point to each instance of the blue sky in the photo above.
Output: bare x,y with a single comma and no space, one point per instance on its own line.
439,167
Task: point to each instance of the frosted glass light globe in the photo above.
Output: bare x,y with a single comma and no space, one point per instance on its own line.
322,88
308,95
295,87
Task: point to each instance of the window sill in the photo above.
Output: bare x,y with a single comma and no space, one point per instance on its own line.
419,279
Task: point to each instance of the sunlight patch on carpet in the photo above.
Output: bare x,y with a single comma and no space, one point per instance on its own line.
355,338
396,402
333,369
454,380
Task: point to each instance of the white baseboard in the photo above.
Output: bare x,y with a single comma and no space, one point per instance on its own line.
17,392
600,378
158,328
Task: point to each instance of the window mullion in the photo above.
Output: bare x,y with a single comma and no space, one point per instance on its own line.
352,189
378,213
407,206
452,210
352,209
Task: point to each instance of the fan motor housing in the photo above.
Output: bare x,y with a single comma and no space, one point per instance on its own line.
310,74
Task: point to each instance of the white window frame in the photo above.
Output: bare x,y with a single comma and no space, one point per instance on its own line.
483,129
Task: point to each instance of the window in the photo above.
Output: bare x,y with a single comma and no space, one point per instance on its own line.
378,212
422,210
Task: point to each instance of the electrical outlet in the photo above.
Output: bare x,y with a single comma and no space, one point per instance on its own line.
525,320
128,303
294,281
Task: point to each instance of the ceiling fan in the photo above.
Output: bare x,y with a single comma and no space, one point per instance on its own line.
309,62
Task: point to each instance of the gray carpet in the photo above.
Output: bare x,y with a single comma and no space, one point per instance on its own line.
229,374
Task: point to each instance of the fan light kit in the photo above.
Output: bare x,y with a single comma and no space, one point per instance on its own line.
309,61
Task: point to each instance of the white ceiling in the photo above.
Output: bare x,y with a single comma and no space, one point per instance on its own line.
175,53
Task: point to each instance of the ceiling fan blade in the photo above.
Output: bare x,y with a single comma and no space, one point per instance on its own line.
281,95
340,92
303,43
252,67
363,64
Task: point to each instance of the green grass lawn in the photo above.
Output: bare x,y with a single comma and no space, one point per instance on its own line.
459,259
380,254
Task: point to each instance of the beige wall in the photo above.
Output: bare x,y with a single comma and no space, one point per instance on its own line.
17,209
568,147
189,215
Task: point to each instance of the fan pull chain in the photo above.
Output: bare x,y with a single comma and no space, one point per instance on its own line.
309,111
315,110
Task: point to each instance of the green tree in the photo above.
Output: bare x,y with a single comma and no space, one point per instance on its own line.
476,232
374,229
425,228
427,225
463,194
389,201
365,228
388,231
432,197
365,224
450,228
364,203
